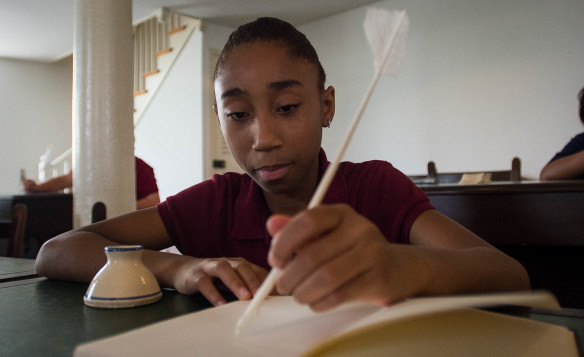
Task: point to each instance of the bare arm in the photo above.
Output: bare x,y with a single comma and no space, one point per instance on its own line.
149,201
458,261
53,185
565,168
78,255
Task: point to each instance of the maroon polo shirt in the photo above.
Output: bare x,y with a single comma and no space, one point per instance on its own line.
226,216
145,179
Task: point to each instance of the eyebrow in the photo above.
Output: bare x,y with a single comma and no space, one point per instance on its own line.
285,84
232,93
279,85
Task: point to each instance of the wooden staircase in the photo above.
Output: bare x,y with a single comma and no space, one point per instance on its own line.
157,43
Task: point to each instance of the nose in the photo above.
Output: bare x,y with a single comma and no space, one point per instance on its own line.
266,133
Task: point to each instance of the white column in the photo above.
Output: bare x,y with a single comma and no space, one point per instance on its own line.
103,130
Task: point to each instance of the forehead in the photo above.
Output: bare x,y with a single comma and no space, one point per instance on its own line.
263,62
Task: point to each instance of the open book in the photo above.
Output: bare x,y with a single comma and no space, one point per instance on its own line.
437,326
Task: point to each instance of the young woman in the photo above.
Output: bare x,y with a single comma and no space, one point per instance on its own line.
375,238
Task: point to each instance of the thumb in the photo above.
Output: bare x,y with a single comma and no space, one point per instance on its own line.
276,222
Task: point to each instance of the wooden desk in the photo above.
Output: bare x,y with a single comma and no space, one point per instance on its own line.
43,317
541,224
48,216
516,213
16,269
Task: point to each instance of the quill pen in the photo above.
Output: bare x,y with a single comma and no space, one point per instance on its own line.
386,32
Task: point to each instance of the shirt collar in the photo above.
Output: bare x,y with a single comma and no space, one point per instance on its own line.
251,210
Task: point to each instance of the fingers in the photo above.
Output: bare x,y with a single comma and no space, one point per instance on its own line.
276,222
311,258
299,231
330,255
205,286
330,277
239,276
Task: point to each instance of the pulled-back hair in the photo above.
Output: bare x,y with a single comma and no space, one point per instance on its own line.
270,29
581,98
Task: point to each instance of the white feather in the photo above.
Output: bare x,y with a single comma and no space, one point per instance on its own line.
386,31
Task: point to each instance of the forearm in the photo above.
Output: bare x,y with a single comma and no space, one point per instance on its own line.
78,256
75,256
455,260
53,185
149,201
467,271
565,168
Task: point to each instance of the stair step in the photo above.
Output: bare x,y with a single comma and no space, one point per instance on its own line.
163,52
151,73
140,92
177,30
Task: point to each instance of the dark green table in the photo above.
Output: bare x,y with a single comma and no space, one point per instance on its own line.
42,317
16,269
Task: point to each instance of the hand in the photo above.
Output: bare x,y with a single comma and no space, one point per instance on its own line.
236,274
28,185
330,255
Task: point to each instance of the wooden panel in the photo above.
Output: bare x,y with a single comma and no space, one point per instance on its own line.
48,216
516,214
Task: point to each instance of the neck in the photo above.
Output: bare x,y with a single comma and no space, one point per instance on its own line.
290,203
284,204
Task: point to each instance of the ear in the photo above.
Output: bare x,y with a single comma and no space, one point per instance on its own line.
216,112
328,106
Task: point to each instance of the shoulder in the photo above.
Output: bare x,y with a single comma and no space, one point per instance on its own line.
370,170
141,163
579,138
575,145
378,178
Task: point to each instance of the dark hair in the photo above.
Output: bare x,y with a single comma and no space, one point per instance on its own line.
272,30
581,98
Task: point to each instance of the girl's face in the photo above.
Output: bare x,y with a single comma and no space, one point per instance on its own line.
271,112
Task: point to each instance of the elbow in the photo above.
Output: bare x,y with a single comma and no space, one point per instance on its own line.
42,263
48,257
546,175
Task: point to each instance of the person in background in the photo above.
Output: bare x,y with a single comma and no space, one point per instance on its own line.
568,164
146,187
375,238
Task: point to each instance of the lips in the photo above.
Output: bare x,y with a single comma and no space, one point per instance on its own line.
273,172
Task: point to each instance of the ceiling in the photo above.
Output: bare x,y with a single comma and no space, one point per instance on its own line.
42,30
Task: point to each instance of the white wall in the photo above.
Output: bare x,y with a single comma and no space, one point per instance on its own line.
36,112
482,81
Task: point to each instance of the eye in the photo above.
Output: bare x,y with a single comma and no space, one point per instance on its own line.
287,108
237,116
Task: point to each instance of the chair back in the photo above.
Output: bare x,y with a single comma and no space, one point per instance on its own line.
17,230
514,174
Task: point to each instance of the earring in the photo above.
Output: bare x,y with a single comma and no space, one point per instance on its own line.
328,124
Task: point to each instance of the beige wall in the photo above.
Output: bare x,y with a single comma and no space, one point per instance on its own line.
36,113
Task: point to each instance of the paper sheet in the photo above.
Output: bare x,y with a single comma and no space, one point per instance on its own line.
285,328
475,178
